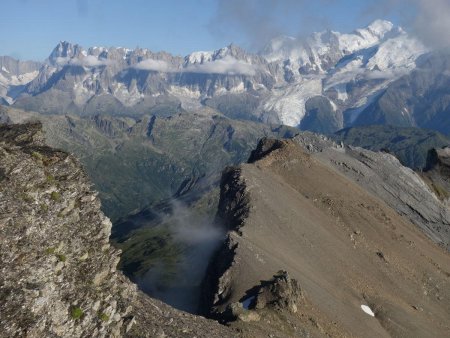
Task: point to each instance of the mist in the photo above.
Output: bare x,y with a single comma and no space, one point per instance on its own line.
257,22
199,238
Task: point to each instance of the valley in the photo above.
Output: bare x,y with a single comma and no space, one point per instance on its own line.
297,190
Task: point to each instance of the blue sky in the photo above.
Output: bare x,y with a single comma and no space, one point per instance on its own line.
31,28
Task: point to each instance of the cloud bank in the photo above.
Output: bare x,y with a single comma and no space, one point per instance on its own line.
227,66
432,24
258,21
87,61
155,65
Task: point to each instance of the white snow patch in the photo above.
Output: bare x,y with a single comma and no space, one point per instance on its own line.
5,70
333,105
342,92
199,57
185,91
23,79
367,310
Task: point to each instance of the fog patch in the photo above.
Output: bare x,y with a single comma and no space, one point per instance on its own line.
155,65
199,238
227,65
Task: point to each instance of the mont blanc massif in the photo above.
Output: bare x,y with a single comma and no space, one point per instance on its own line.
301,191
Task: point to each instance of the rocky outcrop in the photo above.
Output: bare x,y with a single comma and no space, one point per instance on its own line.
437,173
58,270
281,292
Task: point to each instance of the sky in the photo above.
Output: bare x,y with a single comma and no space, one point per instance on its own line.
30,29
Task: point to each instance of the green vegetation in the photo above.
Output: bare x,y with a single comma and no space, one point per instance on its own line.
146,248
134,163
61,257
440,191
55,196
37,156
409,145
76,312
50,251
27,198
103,317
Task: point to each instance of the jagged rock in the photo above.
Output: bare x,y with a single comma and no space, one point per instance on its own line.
58,272
281,292
264,147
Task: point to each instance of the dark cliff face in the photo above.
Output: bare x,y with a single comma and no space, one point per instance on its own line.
58,270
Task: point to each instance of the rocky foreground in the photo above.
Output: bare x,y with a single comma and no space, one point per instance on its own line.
58,271
324,241
353,231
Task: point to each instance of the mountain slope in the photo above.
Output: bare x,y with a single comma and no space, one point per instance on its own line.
138,161
419,99
409,145
346,248
59,276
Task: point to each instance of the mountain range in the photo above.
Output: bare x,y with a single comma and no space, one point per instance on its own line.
323,83
224,197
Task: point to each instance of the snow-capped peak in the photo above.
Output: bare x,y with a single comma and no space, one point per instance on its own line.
321,50
380,27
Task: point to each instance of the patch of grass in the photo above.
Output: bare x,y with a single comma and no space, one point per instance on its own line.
61,257
50,179
146,248
440,191
50,250
44,207
76,312
27,198
55,196
103,316
37,156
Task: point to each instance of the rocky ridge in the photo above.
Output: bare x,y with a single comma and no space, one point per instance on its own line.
58,270
383,175
348,248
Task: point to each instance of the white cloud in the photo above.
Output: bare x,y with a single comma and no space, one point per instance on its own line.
433,22
87,61
228,65
92,61
388,74
156,65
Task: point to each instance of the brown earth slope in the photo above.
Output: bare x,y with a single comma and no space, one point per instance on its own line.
345,246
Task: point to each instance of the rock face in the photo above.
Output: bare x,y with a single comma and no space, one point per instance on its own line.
437,172
347,246
280,292
382,174
58,270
